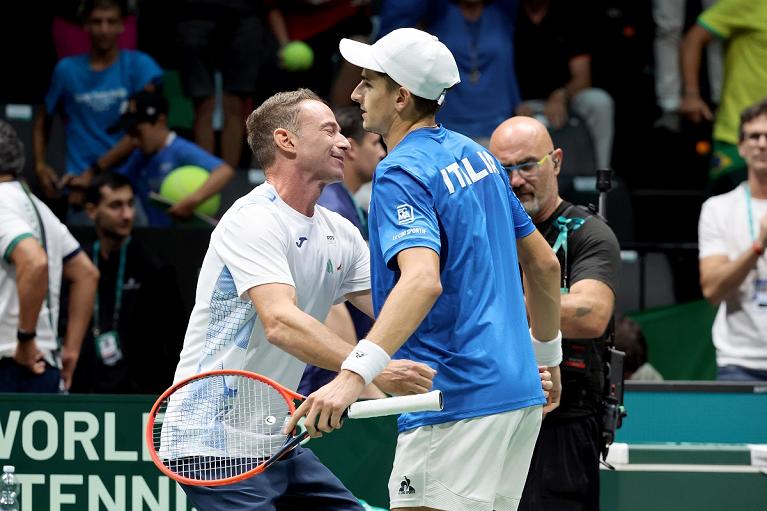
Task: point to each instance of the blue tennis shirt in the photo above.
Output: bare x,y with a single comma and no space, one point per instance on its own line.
439,189
148,171
91,101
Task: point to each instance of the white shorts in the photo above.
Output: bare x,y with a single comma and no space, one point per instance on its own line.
477,464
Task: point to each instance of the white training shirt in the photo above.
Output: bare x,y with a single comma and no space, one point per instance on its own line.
740,328
262,240
17,222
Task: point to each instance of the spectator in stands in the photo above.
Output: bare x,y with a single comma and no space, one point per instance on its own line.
553,65
37,250
742,24
89,90
228,37
319,25
70,37
564,473
480,35
669,17
630,339
158,152
364,153
732,236
138,307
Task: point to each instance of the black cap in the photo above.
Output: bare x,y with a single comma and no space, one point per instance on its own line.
143,106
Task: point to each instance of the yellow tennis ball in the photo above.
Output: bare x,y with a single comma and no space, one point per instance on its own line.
184,181
297,56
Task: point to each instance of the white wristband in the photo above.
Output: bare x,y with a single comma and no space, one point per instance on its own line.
367,359
548,353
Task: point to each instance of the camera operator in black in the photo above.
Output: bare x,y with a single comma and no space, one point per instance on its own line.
564,472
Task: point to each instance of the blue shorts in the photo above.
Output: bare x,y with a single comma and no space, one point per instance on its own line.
296,483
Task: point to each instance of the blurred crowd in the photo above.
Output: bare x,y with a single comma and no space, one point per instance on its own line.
112,98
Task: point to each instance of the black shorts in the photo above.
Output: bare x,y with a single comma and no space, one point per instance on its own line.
17,378
564,471
231,44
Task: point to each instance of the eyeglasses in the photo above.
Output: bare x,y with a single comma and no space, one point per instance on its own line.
754,136
530,168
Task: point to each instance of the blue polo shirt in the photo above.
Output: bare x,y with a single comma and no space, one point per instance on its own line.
148,171
91,101
440,190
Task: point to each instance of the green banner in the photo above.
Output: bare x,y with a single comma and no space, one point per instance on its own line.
87,452
679,340
83,453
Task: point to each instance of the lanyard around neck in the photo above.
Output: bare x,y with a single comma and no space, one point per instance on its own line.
747,191
118,287
565,226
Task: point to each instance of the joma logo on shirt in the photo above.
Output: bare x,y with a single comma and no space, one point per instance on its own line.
466,175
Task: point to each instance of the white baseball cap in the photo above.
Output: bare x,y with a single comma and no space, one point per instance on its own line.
413,58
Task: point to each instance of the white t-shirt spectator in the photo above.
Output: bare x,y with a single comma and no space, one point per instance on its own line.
19,220
740,328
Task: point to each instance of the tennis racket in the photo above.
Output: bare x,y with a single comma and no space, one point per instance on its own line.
221,427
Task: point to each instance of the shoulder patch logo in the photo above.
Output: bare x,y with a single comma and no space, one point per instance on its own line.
405,214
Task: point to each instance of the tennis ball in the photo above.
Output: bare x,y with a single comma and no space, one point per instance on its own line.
297,56
185,180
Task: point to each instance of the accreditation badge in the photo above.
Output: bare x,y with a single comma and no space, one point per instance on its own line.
108,347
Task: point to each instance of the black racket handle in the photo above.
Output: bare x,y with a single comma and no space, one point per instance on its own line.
291,444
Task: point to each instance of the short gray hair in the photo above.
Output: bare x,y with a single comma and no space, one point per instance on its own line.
11,150
279,111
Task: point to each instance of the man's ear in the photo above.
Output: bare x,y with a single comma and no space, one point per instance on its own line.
742,148
351,153
404,98
284,140
556,158
90,210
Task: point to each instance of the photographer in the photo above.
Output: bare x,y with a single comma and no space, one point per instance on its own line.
564,473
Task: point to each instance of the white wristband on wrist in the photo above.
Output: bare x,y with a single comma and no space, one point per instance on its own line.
367,359
548,353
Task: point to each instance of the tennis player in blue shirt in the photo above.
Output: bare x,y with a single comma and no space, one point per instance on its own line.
446,236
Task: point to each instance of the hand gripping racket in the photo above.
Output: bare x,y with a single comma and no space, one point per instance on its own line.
221,427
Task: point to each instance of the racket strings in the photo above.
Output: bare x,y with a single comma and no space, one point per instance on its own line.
219,427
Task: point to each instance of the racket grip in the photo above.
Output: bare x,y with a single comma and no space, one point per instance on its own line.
431,401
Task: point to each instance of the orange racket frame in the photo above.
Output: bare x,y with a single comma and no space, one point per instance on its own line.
289,396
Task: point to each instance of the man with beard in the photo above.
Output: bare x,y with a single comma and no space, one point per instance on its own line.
564,472
138,308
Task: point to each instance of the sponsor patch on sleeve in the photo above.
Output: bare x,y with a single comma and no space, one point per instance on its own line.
407,232
405,214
